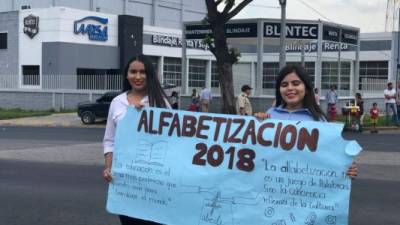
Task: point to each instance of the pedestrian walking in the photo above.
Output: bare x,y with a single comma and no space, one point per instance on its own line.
398,101
390,103
359,115
141,88
317,98
243,104
194,102
374,115
331,100
174,100
205,99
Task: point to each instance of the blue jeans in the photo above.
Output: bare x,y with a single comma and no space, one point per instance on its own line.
398,113
392,107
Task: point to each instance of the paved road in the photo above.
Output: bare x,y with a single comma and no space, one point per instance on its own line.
52,176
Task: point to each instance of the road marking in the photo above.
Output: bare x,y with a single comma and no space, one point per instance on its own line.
87,154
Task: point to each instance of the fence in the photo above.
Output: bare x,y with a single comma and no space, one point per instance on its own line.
113,82
370,85
63,82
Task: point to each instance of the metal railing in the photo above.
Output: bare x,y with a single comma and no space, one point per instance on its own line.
9,81
373,85
113,82
65,82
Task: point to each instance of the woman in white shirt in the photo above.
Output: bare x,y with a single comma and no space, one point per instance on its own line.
141,88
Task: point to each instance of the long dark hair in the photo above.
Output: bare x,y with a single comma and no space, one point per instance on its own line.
154,90
309,97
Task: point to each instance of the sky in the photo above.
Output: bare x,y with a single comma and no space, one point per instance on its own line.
368,15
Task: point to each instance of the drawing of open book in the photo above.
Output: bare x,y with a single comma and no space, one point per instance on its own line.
151,153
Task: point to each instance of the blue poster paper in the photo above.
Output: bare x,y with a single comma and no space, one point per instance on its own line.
186,168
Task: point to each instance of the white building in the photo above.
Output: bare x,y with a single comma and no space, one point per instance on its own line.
54,55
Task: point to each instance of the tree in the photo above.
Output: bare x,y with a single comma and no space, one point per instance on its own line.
225,56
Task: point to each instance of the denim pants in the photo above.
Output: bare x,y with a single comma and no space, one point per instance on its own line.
393,108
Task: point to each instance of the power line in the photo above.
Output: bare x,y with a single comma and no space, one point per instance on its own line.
316,11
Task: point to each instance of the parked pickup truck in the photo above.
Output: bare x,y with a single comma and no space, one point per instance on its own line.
89,112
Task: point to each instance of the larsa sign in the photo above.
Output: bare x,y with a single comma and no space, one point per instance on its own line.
293,30
96,29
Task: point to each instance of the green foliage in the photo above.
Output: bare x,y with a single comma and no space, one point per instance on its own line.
366,122
235,55
19,113
204,21
208,40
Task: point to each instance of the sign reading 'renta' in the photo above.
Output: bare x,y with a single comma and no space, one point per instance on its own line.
31,25
95,27
181,168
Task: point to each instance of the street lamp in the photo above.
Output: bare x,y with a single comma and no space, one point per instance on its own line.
282,55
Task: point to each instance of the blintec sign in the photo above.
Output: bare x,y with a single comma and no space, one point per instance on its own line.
95,27
293,30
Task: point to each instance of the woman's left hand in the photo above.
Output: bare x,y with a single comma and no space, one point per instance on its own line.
352,172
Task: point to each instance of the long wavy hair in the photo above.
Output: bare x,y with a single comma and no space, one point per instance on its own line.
309,97
156,94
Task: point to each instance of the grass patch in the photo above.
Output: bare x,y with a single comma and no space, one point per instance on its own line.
19,113
367,120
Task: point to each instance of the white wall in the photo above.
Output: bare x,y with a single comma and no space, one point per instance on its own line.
57,25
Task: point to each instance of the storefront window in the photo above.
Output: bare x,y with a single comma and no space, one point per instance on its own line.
373,75
173,71
197,73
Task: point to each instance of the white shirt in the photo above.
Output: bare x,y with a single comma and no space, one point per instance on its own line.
117,111
390,93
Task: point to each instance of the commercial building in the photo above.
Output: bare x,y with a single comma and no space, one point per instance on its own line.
60,52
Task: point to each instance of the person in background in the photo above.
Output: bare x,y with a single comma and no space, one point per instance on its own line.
295,100
194,102
374,114
243,104
390,102
174,99
331,101
360,115
398,101
205,99
141,88
317,98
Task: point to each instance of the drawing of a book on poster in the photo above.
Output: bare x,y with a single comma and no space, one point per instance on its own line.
151,153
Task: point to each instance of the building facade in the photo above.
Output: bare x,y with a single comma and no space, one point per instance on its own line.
67,48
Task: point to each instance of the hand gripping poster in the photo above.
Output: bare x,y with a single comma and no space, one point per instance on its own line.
187,168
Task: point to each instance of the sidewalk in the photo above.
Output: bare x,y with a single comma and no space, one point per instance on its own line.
72,120
54,120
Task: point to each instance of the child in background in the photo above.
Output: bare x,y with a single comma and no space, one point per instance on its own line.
374,113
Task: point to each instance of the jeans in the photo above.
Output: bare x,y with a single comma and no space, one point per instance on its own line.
398,113
392,107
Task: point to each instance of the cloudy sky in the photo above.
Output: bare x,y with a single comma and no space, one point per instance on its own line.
368,15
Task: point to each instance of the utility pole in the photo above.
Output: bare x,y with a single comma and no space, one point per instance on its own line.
282,55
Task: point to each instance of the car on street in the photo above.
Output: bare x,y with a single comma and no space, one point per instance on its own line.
89,112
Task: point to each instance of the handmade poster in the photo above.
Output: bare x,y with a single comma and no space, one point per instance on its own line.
188,168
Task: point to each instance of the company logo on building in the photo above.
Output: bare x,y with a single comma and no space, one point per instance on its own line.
293,30
95,27
31,25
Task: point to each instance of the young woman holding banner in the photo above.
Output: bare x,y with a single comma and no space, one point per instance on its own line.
141,88
295,100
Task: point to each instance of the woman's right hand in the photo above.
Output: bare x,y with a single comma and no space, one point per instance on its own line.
107,174
262,115
107,166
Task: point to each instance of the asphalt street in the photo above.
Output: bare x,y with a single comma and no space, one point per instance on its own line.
53,176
